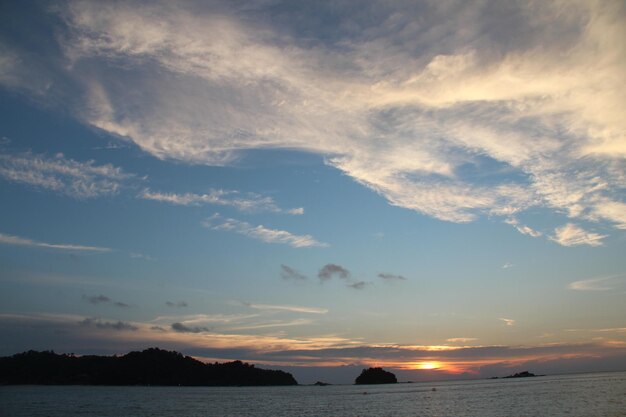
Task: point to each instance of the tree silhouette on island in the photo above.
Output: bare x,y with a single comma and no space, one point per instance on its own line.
150,367
375,376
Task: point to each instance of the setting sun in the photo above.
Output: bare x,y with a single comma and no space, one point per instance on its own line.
428,365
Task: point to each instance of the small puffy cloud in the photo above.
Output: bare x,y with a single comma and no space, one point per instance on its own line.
22,241
330,270
391,277
288,273
109,325
260,232
63,175
182,328
177,304
508,322
573,235
508,265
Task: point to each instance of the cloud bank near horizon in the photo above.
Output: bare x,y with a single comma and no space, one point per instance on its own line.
192,335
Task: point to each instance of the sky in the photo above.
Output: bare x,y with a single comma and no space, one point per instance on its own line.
434,187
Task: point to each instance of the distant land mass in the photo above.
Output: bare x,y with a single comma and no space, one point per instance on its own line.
524,374
375,376
150,367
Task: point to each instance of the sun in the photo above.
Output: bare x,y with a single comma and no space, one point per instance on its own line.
428,365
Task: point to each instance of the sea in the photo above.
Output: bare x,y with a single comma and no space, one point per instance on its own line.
584,395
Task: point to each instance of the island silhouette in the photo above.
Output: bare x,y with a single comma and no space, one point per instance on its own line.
375,376
524,374
151,366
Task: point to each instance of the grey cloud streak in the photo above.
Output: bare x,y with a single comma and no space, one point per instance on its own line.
103,299
182,328
288,273
391,277
109,325
177,304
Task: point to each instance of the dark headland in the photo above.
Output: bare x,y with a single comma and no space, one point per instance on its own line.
150,367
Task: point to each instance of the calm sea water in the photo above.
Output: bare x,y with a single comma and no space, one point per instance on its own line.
588,395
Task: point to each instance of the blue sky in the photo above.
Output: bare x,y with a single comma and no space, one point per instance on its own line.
434,187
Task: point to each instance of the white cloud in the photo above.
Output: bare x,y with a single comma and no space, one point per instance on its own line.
461,339
137,255
523,229
271,324
203,319
247,202
63,175
508,322
572,235
595,284
21,241
291,308
409,110
260,232
507,265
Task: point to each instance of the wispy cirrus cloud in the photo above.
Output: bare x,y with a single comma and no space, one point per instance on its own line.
413,120
573,235
260,232
272,324
523,229
461,339
63,175
240,201
22,241
290,308
596,284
